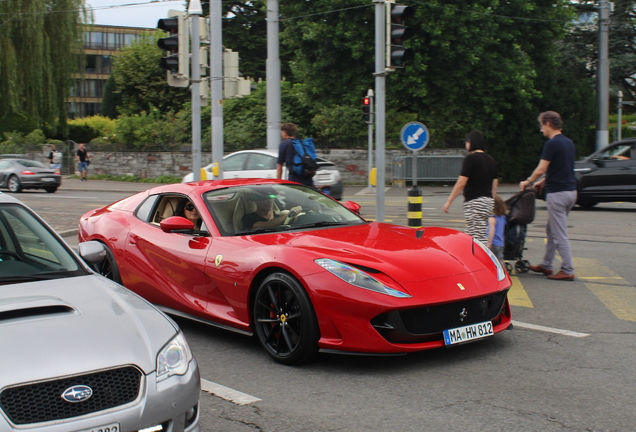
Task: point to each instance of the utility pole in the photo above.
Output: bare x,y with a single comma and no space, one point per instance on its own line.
602,74
370,155
216,83
619,125
194,12
273,77
380,105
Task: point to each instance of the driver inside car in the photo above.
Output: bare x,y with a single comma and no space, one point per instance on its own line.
265,216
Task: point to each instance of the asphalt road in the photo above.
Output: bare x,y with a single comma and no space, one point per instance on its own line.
567,365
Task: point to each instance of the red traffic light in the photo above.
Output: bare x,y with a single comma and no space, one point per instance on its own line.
366,101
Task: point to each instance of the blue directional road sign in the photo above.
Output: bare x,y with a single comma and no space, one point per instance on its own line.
414,136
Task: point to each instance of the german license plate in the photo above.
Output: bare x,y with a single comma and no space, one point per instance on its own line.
113,427
468,333
48,179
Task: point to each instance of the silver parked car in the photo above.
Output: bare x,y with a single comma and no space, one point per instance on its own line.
261,163
79,352
20,173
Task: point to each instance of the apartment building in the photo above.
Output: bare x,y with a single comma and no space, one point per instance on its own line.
101,42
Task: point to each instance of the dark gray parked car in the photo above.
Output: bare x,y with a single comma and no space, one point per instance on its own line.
19,173
80,352
608,175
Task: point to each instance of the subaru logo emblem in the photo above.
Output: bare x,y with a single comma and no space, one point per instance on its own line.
463,314
77,393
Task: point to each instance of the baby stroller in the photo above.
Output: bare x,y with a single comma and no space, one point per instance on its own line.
521,210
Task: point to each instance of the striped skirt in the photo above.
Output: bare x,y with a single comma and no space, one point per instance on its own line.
476,213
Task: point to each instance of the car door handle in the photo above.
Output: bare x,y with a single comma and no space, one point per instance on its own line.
132,240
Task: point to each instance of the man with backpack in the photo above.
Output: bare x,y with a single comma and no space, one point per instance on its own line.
298,156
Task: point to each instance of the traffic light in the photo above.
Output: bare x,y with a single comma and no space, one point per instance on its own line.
178,44
396,33
366,109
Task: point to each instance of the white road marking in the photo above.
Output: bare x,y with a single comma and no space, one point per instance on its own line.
549,329
227,393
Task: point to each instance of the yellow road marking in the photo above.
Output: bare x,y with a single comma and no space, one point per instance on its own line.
517,296
616,294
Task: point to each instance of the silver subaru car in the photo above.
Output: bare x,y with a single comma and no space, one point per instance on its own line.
79,352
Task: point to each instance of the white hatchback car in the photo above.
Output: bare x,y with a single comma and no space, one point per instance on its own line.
79,351
261,163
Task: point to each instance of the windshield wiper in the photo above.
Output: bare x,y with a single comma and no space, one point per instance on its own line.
259,230
320,224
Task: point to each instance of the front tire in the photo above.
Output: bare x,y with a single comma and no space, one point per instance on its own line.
14,184
284,320
51,189
587,204
108,267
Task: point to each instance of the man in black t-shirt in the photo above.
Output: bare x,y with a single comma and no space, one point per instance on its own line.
557,163
82,162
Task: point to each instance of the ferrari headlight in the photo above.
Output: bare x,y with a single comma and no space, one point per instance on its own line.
174,358
501,274
358,278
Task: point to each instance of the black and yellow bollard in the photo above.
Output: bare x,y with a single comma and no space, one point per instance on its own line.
415,207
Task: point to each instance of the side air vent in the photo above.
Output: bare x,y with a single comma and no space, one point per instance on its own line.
34,312
32,307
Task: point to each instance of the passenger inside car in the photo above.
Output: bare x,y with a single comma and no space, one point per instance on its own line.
186,209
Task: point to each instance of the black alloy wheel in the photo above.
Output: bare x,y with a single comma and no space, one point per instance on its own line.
108,267
586,204
284,320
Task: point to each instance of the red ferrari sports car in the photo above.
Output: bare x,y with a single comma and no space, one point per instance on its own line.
298,269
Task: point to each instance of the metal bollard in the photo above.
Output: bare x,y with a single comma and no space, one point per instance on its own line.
415,207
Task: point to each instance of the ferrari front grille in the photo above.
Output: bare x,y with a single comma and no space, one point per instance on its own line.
428,322
42,401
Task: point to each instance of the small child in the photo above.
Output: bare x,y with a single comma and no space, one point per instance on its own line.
495,229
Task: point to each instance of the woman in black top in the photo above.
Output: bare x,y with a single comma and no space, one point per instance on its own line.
478,181
186,209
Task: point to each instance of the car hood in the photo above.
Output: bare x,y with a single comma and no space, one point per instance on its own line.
404,254
72,325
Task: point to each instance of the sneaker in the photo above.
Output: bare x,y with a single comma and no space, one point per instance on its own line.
540,269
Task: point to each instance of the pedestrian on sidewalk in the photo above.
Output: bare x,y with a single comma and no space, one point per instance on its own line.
478,181
557,163
82,162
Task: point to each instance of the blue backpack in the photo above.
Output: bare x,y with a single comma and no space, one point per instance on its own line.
305,164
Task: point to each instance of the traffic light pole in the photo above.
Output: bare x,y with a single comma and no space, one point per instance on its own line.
216,83
602,129
380,105
371,120
272,66
194,12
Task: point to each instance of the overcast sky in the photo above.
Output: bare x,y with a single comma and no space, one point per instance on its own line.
132,13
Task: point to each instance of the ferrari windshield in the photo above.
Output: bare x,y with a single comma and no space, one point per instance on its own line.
29,251
270,208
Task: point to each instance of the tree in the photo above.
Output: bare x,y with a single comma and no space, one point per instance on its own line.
41,41
141,83
111,100
484,64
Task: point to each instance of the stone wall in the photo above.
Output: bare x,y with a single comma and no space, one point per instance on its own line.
352,163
